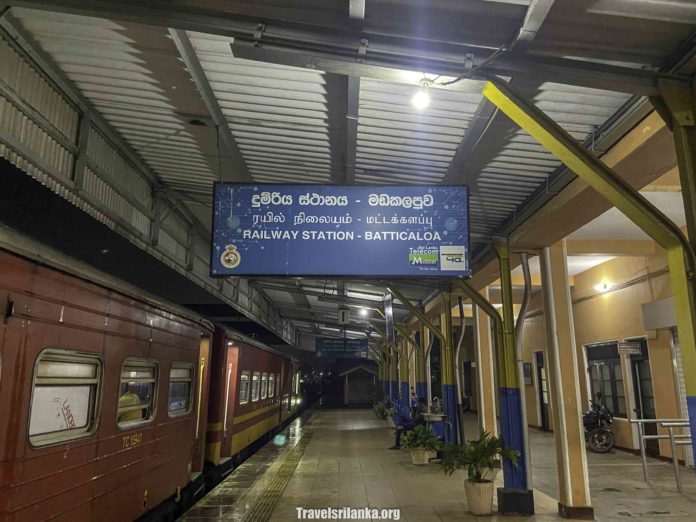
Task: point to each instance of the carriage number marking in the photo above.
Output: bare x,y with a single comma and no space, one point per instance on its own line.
132,440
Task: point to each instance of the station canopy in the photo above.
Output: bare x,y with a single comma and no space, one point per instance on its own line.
320,91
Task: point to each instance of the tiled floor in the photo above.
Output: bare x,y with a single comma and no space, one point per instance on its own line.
347,464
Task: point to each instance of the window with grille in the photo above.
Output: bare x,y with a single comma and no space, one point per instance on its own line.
244,388
264,385
65,394
180,388
255,379
606,377
137,392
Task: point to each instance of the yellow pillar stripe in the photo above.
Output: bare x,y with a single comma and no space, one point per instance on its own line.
507,356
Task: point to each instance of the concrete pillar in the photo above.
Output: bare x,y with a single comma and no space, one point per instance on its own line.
561,357
485,370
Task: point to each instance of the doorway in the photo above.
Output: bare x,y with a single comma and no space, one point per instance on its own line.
643,395
542,390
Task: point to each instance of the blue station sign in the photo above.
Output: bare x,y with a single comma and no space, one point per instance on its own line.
332,230
341,348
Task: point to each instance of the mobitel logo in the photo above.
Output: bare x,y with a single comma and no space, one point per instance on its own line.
422,259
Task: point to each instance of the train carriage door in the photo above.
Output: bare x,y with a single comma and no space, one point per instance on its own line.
201,403
230,390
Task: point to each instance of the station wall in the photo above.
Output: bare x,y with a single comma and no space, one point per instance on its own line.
611,314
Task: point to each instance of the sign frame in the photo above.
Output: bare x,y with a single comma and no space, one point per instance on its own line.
432,274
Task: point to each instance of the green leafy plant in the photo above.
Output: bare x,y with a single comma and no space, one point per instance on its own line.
390,411
477,456
379,410
421,437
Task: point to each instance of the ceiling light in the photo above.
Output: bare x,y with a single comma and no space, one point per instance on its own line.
421,99
603,286
363,312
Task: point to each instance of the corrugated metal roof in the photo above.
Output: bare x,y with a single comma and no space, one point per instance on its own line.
130,74
280,116
399,144
277,114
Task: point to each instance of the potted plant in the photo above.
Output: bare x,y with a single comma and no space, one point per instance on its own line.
390,412
421,441
379,410
478,457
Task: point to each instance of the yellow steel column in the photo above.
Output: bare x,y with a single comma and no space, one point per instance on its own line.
632,204
412,355
513,420
485,370
403,377
422,377
449,385
561,357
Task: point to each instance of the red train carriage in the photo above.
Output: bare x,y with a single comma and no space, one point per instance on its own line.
251,391
107,396
101,398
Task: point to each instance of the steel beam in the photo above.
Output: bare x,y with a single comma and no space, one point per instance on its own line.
337,108
632,204
328,43
420,315
474,133
537,12
238,167
387,65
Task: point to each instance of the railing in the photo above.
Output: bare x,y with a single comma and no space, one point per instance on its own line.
674,441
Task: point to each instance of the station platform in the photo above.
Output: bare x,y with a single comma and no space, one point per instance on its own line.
340,458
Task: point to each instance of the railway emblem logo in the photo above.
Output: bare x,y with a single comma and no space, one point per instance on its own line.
230,258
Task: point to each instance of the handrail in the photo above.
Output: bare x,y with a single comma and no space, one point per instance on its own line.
674,441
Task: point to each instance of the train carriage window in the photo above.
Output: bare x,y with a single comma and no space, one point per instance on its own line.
180,387
65,396
271,385
137,393
244,388
255,378
264,385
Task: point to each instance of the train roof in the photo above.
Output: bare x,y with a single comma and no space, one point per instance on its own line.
19,244
253,342
16,243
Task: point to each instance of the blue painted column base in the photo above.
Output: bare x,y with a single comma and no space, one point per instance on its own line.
449,403
515,497
512,437
421,390
405,399
691,407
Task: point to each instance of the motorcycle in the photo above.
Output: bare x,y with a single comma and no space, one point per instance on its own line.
598,435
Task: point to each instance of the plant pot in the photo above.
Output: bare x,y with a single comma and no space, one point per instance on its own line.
479,495
420,456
